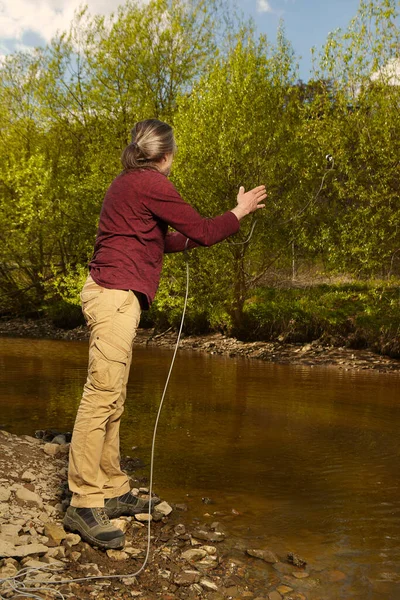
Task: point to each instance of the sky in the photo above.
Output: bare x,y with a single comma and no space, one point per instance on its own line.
29,23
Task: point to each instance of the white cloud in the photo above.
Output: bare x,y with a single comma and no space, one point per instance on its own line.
264,6
44,17
389,73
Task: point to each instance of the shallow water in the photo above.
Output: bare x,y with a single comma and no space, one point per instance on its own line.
309,456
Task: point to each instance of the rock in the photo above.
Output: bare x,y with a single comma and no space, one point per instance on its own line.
300,574
43,517
10,561
5,494
14,540
283,568
71,539
274,596
75,555
295,560
31,440
121,524
25,497
143,517
335,576
8,571
232,591
194,554
59,439
9,530
56,552
194,542
49,509
208,585
186,578
209,549
308,584
28,476
209,562
117,555
265,555
51,449
91,570
164,573
53,561
55,533
31,562
209,536
163,508
157,516
9,550
284,589
180,529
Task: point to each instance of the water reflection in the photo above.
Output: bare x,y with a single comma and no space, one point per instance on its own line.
309,456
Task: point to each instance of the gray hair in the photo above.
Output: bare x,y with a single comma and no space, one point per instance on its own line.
151,141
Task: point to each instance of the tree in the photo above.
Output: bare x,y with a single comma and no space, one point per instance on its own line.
65,117
361,129
237,127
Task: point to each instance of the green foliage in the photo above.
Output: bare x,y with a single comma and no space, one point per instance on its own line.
356,315
235,128
65,117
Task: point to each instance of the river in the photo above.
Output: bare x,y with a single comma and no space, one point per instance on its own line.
309,457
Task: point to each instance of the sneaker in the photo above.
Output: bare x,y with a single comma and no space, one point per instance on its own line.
94,526
127,505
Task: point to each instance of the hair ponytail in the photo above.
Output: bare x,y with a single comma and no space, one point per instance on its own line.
151,141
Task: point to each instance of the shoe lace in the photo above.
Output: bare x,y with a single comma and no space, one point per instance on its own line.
101,515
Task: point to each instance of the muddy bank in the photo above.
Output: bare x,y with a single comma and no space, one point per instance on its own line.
189,559
310,354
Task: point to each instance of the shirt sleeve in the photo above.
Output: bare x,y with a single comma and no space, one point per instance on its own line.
176,242
165,203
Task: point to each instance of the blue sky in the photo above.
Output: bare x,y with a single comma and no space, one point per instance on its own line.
307,22
26,23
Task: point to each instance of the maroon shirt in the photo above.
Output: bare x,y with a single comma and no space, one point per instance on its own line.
132,234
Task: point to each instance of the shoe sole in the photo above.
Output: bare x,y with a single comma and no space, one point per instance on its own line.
115,544
115,513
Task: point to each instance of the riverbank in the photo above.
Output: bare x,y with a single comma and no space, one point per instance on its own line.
311,354
189,559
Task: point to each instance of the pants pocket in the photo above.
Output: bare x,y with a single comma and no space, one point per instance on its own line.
124,300
107,363
89,300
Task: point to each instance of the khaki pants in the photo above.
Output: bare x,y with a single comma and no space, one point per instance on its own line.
94,464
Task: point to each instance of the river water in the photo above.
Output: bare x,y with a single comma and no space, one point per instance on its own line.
308,456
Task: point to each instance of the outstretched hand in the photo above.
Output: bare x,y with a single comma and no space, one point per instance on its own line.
249,202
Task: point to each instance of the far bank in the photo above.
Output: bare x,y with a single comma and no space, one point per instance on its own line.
313,354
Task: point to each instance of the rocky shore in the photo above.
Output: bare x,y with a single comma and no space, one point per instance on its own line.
311,354
188,560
